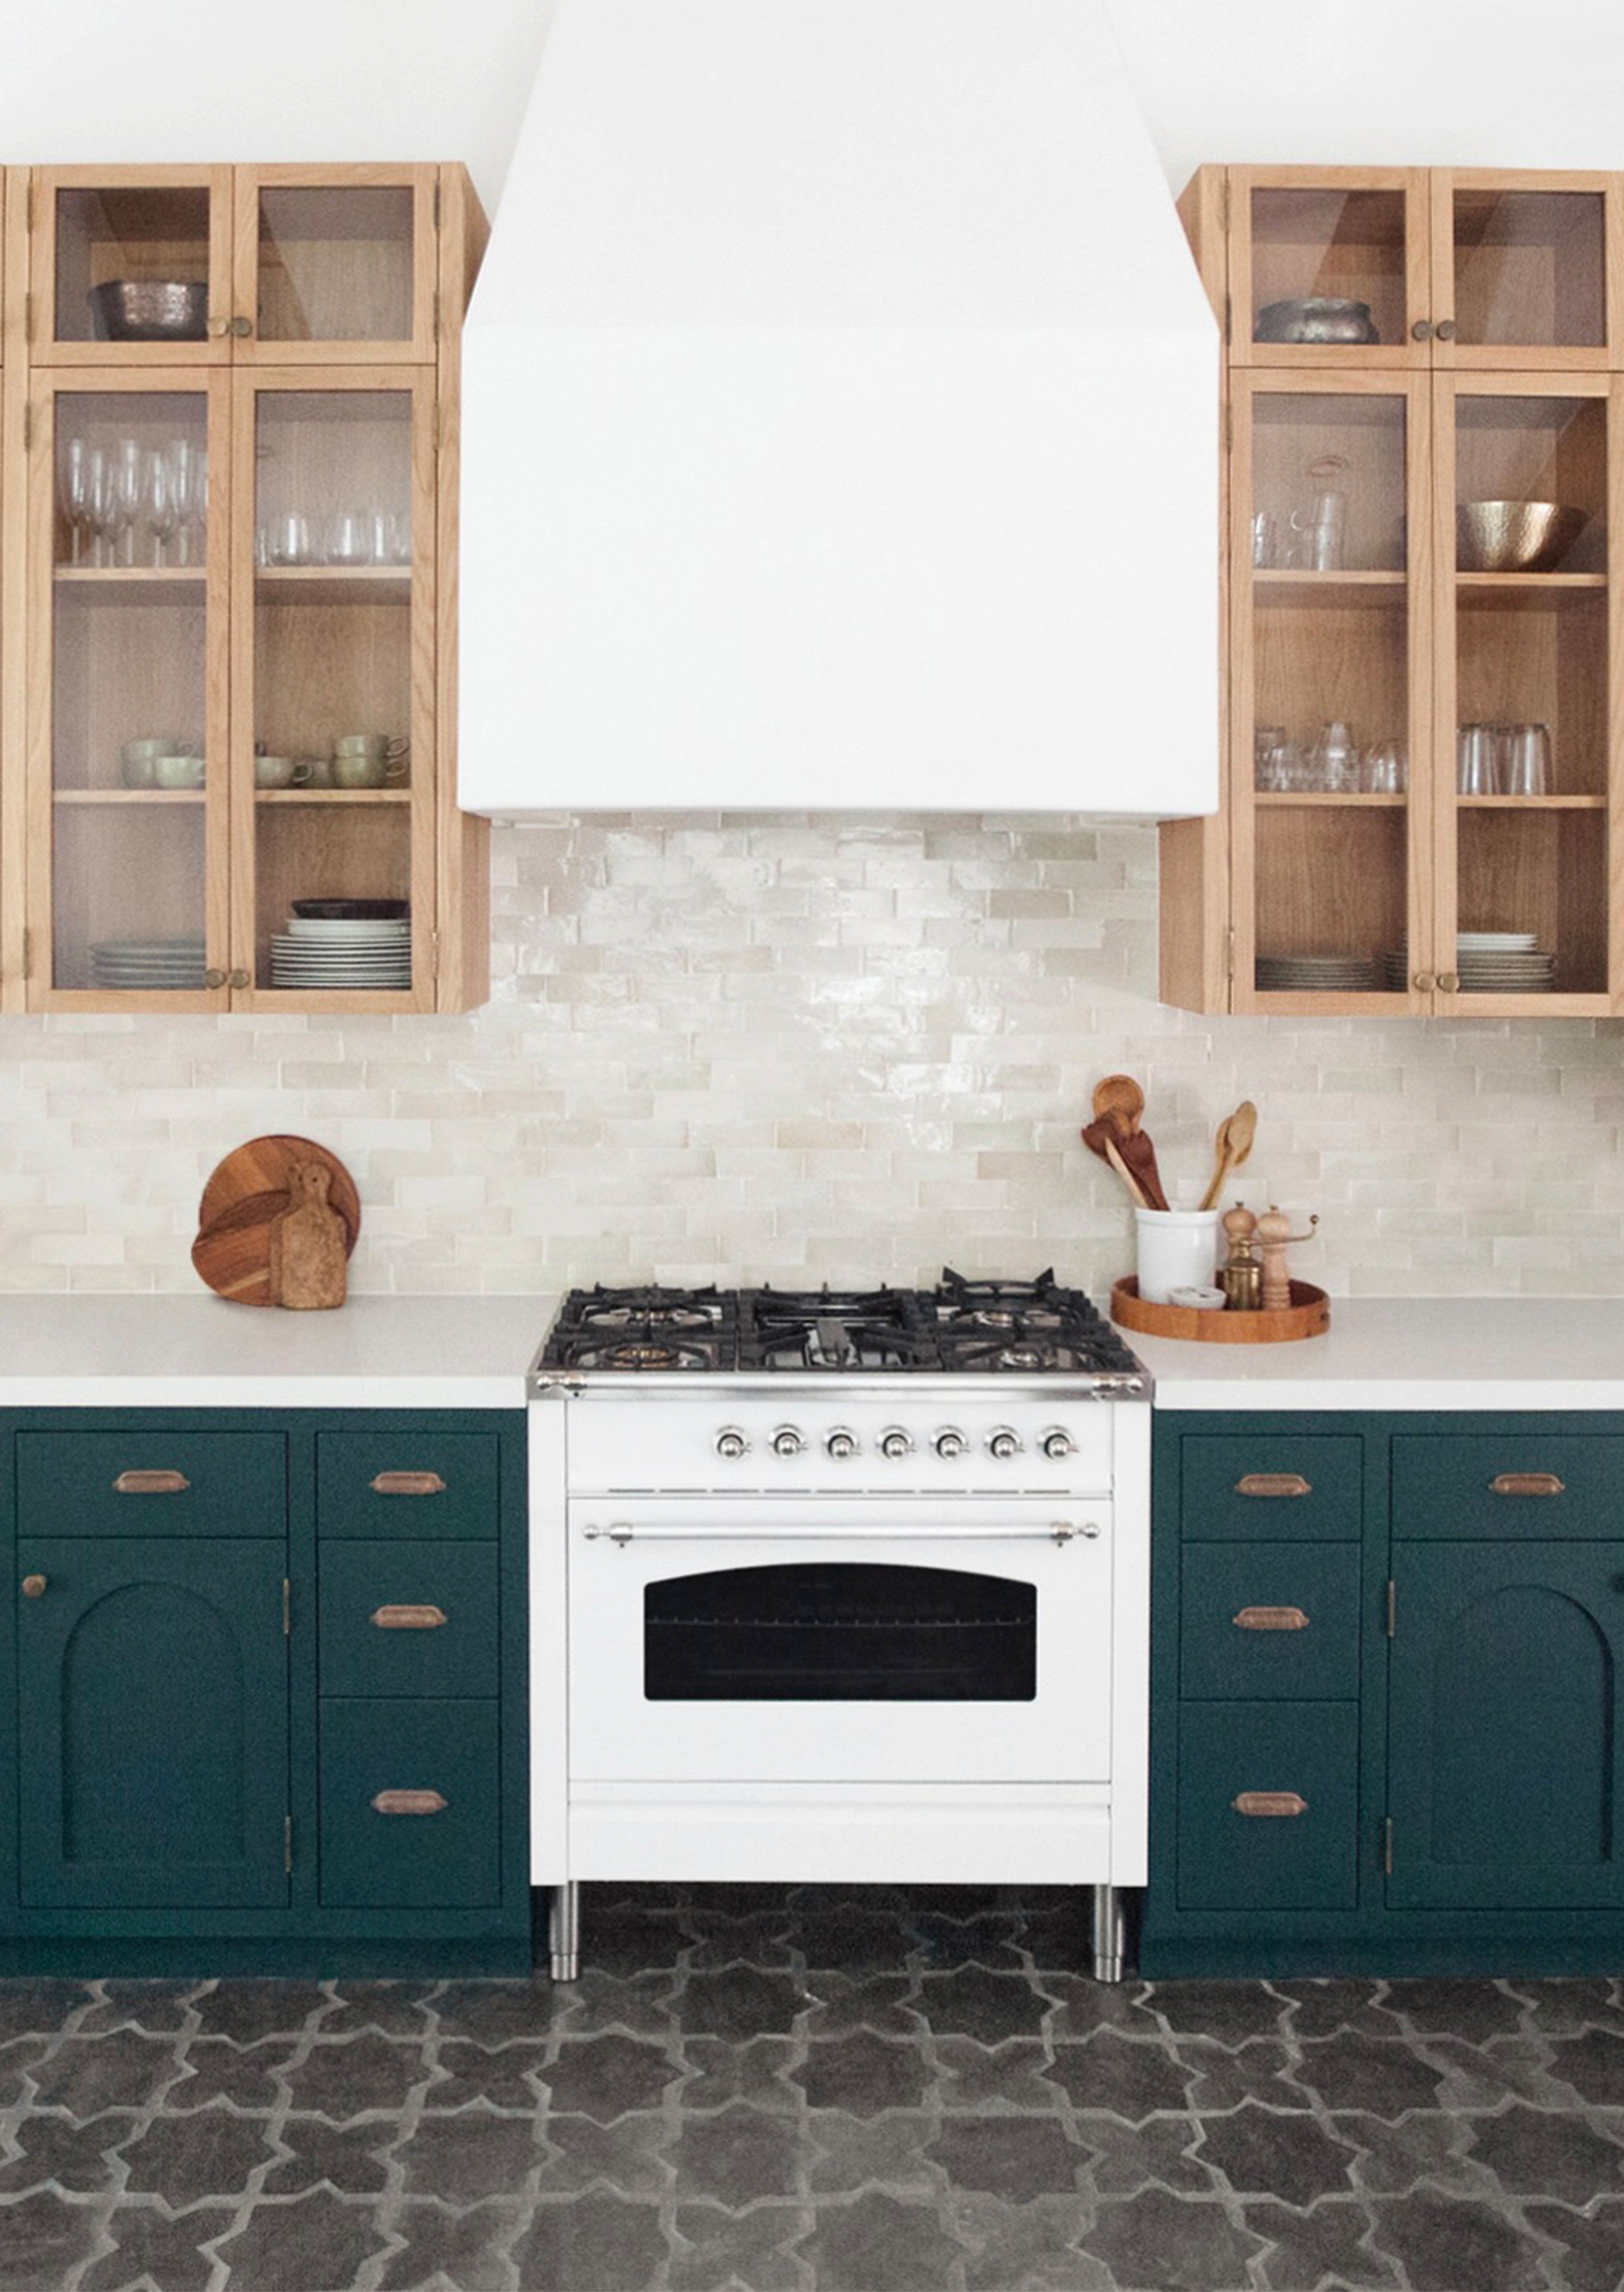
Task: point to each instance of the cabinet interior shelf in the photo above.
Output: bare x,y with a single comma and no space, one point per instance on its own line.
1322,799
1521,584
334,584
128,796
142,577
333,795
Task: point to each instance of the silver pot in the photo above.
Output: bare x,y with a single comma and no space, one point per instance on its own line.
1316,318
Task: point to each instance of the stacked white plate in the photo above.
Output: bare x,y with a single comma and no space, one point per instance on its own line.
318,951
173,964
1317,975
1503,963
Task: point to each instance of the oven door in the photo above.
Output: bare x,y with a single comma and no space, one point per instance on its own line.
731,1639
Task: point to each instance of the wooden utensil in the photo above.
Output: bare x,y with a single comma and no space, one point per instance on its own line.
1102,1137
1115,1157
233,1256
1118,1099
1141,1156
1232,1143
265,1165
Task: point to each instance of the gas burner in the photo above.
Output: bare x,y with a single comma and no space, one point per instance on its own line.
991,1300
675,1316
635,1354
829,1344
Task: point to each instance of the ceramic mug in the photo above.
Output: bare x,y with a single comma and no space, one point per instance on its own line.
136,757
353,769
382,746
281,772
177,772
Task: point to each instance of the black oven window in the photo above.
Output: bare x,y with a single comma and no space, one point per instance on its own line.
839,1632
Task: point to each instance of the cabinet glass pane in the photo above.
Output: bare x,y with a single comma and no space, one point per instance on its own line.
146,236
129,653
1346,247
1330,691
1529,267
335,264
332,687
1530,654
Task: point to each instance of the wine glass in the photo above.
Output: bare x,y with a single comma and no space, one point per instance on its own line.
188,474
73,490
160,503
129,479
102,505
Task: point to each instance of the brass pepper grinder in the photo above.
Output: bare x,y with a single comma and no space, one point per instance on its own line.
1275,1235
1240,1277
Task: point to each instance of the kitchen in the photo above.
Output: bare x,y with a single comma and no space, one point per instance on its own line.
794,1046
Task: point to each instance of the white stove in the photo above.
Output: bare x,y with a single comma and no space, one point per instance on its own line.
846,1587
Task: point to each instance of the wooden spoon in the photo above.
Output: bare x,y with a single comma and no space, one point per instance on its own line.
1140,1157
1232,1144
1118,1099
1102,1137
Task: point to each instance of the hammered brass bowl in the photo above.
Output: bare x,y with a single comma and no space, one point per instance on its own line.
1515,536
152,310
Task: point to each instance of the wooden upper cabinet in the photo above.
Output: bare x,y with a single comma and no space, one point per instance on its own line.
243,265
1424,267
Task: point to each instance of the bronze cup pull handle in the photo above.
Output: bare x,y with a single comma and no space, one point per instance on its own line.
150,1484
1273,1484
34,1588
1272,1619
1528,1484
1269,1802
403,1617
407,1484
408,1802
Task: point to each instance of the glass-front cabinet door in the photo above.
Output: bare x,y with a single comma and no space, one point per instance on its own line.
333,690
1328,262
336,267
1527,483
1521,278
1331,606
127,707
130,267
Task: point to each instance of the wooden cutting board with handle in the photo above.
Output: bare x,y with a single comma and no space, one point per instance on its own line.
243,1200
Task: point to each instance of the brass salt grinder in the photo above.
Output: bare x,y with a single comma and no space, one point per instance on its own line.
1240,1277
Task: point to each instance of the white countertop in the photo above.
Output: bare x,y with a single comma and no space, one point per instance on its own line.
1411,1352
190,1352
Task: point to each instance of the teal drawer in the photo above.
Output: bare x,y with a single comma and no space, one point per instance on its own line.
427,1749
1562,1484
397,1481
406,1618
1270,1485
1231,1860
1240,1632
162,1483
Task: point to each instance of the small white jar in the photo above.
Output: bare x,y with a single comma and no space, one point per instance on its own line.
1178,1250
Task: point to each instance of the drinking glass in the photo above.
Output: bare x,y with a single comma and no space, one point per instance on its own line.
1475,761
159,503
1334,759
73,488
129,479
188,473
288,540
102,505
1386,771
1528,769
349,539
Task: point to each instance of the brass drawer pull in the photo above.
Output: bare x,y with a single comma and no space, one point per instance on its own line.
34,1588
407,1484
1528,1484
150,1484
1269,1802
1272,1619
1273,1484
407,1618
408,1802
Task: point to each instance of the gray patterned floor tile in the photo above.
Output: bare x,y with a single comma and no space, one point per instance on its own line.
879,2244
863,2074
1591,2243
1261,2152
719,2251
185,2161
1130,2077
1157,2242
246,2012
213,2068
737,2156
605,2076
168,2253
1447,2243
464,2249
317,2243
1328,2243
1017,2158
628,2156
342,2077
756,2073
466,2158
1031,2247
1593,2065
87,2075
514,2076
348,2157
63,2153
977,2002
849,2153
598,2243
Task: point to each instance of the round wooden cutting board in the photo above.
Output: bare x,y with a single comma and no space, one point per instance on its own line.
263,1166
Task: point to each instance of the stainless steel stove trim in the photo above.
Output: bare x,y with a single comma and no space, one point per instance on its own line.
720,1384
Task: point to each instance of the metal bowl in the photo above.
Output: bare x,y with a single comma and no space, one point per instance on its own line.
1316,318
1515,536
152,310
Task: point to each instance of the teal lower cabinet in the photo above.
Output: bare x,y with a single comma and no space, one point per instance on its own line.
262,1699
1387,1730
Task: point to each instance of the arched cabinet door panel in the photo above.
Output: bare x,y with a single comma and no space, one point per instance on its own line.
153,1705
1505,1723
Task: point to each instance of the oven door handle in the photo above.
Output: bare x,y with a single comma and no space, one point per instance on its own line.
1057,1531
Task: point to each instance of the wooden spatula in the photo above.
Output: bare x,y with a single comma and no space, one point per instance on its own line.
1232,1144
1118,1099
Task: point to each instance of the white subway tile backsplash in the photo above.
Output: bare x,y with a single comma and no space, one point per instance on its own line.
784,1046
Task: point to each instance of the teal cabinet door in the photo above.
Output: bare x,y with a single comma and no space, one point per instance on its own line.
1506,1740
152,1679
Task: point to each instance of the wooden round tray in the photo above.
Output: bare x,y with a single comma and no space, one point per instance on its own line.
1308,1315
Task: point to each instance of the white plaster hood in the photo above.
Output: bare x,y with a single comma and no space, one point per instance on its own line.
840,413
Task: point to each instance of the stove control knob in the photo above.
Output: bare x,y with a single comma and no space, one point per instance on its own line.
787,1442
1057,1444
731,1443
1003,1442
841,1443
894,1442
950,1442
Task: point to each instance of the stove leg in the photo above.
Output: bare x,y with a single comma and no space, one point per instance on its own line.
564,1931
1107,1936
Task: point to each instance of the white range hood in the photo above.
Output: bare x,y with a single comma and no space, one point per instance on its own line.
840,424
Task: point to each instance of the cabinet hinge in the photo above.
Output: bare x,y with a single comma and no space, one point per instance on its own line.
28,429
27,952
1228,318
1229,953
1387,1845
1391,1607
437,314
28,318
28,204
436,203
287,1609
287,1845
1226,202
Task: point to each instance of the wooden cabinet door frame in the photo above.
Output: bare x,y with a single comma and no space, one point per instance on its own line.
1447,390
419,348
43,184
418,384
1525,357
38,679
1411,184
1247,389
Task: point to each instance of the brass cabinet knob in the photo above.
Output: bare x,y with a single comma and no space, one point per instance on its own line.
1449,981
1446,330
241,326
1422,330
217,326
33,1586
1425,981
213,978
237,979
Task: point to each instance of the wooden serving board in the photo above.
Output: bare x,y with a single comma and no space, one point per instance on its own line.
233,1254
1308,1315
264,1167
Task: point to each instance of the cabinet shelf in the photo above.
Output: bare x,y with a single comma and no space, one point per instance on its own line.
137,577
1323,799
127,795
334,584
333,795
